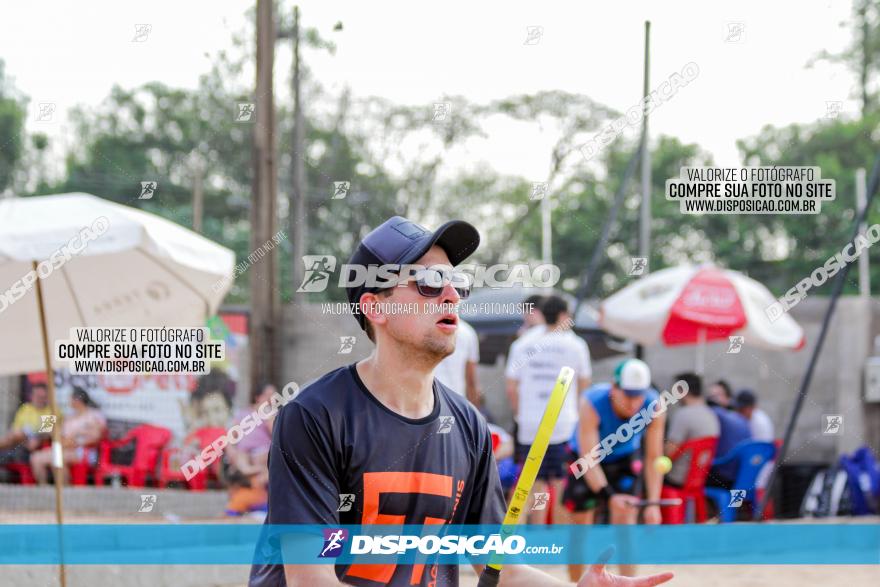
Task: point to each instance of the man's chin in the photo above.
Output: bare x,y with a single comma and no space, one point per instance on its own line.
439,346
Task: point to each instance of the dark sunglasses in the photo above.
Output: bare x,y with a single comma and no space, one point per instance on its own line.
430,282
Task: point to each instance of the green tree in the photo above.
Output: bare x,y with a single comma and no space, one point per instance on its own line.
583,203
13,108
167,135
863,54
791,246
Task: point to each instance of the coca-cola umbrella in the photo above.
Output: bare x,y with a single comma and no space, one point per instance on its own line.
695,305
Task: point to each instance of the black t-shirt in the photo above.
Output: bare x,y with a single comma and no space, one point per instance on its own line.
337,438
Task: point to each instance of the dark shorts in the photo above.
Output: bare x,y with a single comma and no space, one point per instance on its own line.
555,463
715,479
578,497
18,454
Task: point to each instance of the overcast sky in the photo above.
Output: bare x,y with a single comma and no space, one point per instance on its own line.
72,53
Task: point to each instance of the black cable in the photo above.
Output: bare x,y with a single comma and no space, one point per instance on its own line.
586,285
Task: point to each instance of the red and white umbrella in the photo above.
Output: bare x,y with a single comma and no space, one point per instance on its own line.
698,304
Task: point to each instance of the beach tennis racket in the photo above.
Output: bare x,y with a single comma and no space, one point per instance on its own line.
492,572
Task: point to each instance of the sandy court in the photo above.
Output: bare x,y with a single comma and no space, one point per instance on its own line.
685,576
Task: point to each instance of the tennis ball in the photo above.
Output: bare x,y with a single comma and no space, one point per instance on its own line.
662,465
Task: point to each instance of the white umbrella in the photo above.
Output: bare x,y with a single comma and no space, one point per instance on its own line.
76,260
136,269
698,304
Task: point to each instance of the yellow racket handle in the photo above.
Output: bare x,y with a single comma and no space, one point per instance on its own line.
532,465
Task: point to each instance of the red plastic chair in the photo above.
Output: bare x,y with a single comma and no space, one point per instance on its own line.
148,444
23,470
79,470
702,451
496,441
202,437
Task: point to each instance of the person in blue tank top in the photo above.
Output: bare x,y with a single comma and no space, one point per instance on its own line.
616,419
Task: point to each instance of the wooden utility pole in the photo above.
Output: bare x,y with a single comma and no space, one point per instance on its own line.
297,223
264,331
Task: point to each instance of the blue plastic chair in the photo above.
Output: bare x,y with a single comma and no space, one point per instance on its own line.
751,456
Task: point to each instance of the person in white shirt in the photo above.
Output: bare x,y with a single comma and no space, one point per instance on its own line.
533,324
746,403
533,318
458,371
532,369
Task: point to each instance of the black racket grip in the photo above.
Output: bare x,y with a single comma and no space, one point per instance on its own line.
489,577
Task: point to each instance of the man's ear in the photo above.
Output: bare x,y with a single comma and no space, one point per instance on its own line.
370,307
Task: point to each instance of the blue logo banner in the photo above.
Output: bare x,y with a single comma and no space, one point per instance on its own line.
212,544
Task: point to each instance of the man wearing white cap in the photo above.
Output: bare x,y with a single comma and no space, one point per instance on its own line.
614,417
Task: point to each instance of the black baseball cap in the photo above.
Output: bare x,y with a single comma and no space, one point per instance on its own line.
399,241
744,399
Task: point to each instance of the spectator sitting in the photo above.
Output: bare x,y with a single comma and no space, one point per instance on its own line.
760,424
734,429
245,497
721,394
693,418
250,457
25,435
79,431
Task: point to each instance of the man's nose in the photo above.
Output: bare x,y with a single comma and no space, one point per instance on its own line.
449,295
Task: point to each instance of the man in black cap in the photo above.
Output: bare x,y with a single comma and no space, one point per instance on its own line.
746,403
407,448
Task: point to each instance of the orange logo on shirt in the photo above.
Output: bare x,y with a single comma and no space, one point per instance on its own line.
375,484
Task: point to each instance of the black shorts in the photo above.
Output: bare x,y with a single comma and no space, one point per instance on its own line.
16,454
578,497
555,463
714,479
